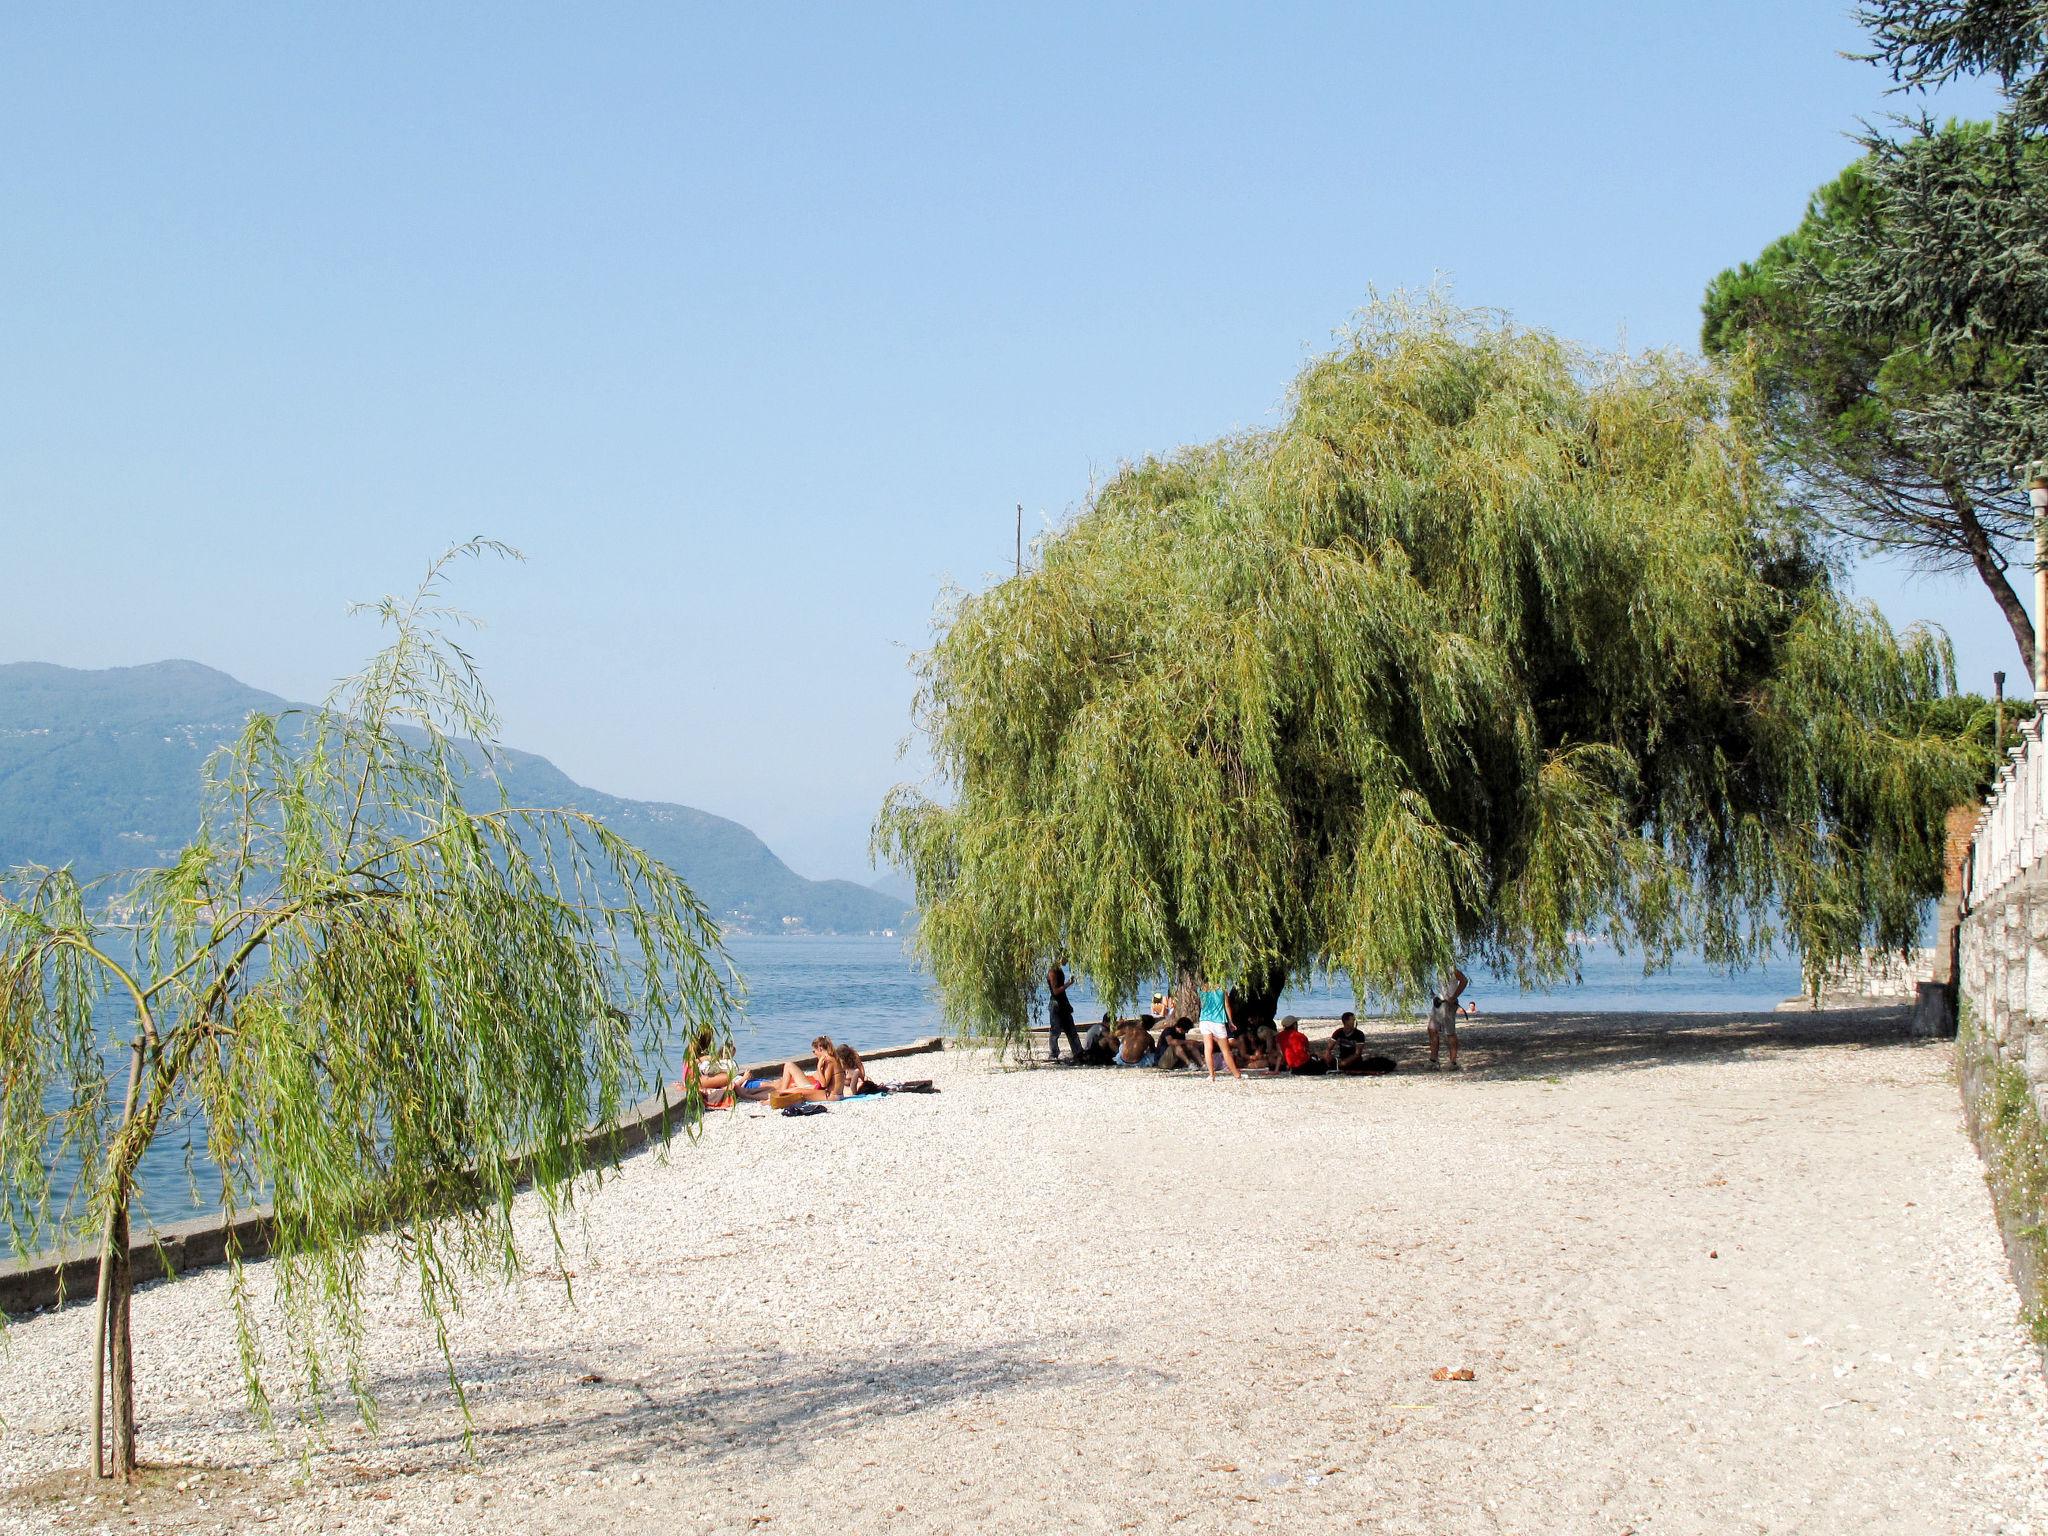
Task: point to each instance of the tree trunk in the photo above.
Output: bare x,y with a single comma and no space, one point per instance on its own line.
1187,995
1985,558
120,1354
113,1361
1262,998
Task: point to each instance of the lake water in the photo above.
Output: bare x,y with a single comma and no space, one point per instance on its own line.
865,990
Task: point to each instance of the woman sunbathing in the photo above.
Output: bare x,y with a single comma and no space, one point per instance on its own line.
854,1073
824,1083
712,1078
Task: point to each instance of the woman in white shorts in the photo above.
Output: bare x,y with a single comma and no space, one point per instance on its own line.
1214,1027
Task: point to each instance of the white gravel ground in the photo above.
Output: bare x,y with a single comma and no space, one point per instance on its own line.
1728,1274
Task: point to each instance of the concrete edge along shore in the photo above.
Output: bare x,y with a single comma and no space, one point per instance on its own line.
59,1276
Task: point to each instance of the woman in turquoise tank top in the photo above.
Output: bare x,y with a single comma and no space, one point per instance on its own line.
1215,1030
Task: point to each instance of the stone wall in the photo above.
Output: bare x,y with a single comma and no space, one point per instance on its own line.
2002,1065
1880,975
2004,981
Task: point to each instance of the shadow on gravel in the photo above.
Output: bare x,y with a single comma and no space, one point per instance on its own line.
1565,1044
770,1405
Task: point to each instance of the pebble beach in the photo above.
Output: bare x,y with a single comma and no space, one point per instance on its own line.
1707,1273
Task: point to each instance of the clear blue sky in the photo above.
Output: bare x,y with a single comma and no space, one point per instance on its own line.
751,325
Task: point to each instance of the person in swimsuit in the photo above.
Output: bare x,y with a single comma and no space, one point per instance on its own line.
1214,1026
713,1079
854,1073
824,1082
1134,1045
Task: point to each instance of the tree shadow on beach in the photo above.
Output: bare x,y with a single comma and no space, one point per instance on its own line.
625,1407
1547,1045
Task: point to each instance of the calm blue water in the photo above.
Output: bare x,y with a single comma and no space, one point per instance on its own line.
864,990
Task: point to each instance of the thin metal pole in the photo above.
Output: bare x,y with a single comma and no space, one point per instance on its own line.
2040,609
1020,538
1998,693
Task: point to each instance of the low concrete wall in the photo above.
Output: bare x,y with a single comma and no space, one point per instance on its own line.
64,1275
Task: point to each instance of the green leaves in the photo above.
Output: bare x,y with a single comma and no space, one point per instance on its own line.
1893,346
1489,645
392,997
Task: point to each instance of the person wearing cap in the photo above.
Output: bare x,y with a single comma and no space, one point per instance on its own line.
1295,1055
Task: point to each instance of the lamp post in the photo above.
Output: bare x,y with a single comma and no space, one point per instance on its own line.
2037,497
1998,695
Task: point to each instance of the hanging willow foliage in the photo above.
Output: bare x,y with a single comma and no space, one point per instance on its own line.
1491,645
388,1007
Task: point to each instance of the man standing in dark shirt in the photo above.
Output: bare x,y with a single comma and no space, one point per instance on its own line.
1062,1014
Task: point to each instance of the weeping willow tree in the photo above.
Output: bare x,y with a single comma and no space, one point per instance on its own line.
1491,645
388,1007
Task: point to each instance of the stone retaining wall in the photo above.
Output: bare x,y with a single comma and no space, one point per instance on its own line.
2002,1063
72,1274
2004,963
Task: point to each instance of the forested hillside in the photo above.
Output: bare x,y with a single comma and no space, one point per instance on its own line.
100,770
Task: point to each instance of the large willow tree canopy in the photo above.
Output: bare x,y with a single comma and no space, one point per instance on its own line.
1491,645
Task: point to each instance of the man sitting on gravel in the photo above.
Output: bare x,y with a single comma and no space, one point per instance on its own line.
1134,1045
1295,1055
1174,1050
1097,1043
1346,1052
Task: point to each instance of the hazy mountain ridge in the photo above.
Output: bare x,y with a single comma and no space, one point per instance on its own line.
100,769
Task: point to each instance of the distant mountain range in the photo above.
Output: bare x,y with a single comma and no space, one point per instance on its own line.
100,770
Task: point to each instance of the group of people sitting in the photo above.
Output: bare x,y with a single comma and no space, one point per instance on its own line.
836,1072
1162,1041
1165,1041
